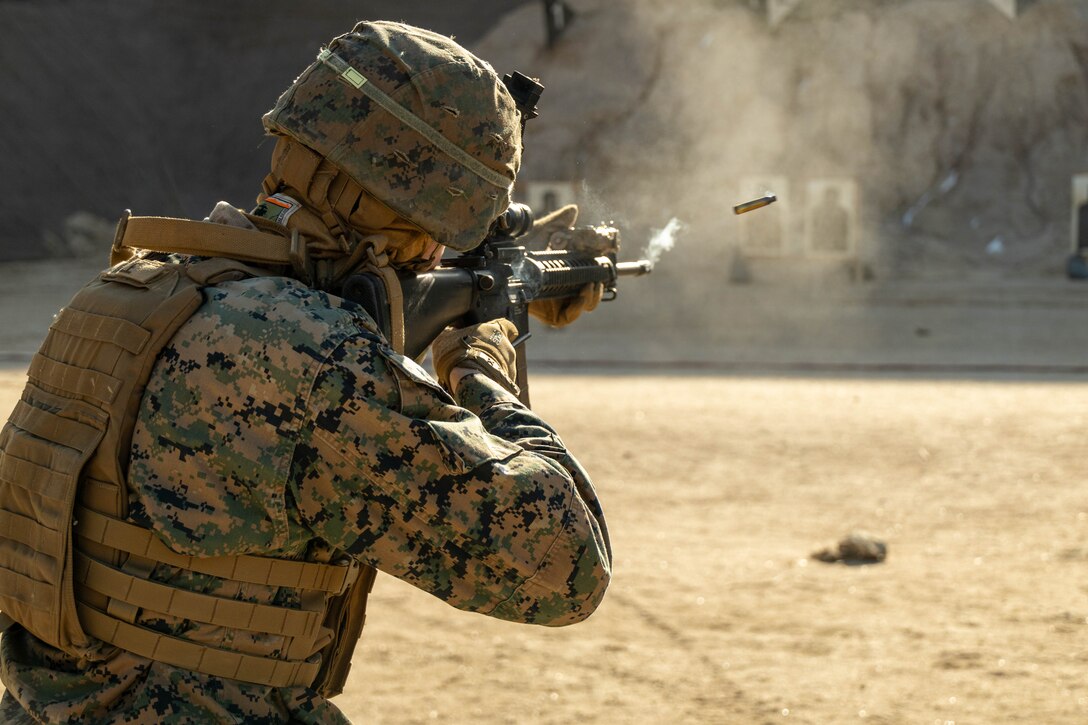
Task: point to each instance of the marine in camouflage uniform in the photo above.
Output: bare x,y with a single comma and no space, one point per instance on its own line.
279,422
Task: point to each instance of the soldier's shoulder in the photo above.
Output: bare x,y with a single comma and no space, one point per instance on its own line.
266,303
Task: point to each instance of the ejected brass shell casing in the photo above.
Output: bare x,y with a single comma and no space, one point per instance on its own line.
759,203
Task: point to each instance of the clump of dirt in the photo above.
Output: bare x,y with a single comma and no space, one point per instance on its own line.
855,549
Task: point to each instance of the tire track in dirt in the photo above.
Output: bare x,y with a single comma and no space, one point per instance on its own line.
726,689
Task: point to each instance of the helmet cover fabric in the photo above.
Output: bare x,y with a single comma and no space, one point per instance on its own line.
443,85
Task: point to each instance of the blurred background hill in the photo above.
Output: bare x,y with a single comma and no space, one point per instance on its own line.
960,124
155,106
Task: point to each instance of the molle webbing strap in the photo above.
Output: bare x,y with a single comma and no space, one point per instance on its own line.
354,78
139,541
44,446
40,538
44,424
100,387
51,484
184,236
22,588
196,657
204,608
124,334
126,594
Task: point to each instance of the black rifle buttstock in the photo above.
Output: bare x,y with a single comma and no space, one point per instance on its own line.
432,302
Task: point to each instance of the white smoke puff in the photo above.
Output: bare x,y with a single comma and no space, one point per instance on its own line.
532,280
662,241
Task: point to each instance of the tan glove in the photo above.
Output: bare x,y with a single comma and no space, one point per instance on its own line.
562,312
484,348
555,231
560,220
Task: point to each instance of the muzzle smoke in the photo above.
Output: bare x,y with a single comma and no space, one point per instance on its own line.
663,241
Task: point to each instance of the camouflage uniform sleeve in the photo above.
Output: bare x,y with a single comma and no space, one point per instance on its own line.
487,510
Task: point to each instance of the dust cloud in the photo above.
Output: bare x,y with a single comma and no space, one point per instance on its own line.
948,125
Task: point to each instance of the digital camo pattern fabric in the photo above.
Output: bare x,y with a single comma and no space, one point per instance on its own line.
444,85
277,422
50,687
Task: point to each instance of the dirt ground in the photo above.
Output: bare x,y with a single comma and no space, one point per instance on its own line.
717,490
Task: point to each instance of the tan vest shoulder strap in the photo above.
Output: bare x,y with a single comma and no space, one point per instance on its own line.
185,236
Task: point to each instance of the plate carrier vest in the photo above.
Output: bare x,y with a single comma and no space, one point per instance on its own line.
72,569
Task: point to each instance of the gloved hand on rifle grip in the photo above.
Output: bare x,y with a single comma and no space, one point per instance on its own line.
485,348
563,311
555,231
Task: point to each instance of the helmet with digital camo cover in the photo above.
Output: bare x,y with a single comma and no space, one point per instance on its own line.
420,123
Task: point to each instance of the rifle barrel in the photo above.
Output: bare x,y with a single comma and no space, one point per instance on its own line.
634,269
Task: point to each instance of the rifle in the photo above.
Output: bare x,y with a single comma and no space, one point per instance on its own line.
497,279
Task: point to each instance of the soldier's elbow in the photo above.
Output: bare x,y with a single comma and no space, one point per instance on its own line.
554,598
583,607
574,597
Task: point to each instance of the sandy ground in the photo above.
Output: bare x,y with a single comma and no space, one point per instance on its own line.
717,490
